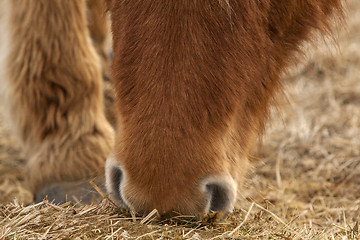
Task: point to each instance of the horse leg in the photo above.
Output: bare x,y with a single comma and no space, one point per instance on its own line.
52,85
98,24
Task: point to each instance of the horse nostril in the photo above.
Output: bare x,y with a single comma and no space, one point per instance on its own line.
114,178
219,199
221,192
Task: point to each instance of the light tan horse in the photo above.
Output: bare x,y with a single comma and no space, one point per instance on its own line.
52,89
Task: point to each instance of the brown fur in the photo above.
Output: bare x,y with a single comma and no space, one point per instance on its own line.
194,81
98,24
55,91
98,27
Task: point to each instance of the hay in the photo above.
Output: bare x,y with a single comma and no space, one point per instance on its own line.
306,184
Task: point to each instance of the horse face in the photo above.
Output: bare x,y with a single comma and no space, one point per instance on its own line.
174,181
194,81
180,142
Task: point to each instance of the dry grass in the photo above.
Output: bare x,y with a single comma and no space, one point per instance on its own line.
306,185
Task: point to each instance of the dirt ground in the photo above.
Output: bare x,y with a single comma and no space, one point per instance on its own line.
304,185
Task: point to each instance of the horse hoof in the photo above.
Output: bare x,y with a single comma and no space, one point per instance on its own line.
80,191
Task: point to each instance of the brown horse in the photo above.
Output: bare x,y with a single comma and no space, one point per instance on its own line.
194,80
